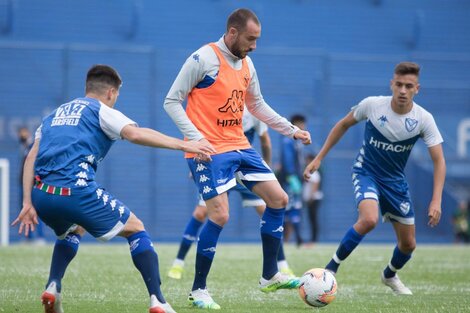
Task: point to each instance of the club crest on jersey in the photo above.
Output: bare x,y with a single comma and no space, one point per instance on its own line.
383,120
410,124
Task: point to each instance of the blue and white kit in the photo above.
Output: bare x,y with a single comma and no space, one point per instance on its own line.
74,138
378,170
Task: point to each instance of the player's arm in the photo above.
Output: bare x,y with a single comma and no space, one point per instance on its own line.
437,156
334,136
153,138
28,216
266,147
192,72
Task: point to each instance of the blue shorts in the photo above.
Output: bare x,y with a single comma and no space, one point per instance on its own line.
249,199
96,210
393,198
219,175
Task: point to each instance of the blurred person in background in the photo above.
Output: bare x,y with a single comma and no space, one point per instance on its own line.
312,197
291,170
461,220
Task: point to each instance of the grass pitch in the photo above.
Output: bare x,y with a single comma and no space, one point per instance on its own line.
103,279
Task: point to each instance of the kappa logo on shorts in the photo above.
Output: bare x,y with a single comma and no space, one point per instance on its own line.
405,207
410,124
206,189
280,229
200,167
203,178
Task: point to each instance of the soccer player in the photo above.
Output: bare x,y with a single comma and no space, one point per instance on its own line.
292,166
393,125
251,126
219,79
59,182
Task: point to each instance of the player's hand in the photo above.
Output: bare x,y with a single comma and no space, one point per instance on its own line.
311,167
304,136
434,213
202,148
27,218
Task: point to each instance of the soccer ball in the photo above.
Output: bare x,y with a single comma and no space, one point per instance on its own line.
318,287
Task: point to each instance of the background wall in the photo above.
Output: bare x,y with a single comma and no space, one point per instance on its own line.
315,57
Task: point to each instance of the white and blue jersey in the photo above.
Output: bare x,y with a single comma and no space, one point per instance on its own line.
74,138
378,170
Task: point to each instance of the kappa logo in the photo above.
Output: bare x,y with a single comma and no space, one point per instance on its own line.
189,237
280,229
206,189
383,120
196,57
81,182
200,167
203,178
211,249
410,124
235,103
134,244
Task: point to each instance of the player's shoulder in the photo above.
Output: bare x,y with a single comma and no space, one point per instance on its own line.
421,113
203,54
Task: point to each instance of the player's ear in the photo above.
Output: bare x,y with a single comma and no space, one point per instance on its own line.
417,89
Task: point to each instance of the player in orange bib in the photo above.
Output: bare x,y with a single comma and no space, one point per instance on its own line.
218,80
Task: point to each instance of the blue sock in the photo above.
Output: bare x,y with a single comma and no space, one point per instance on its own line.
64,252
205,253
190,236
399,260
271,236
280,254
146,261
347,245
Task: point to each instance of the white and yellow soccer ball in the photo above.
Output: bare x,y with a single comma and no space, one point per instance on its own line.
318,287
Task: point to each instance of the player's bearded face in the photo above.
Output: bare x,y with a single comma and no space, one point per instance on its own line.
404,88
246,40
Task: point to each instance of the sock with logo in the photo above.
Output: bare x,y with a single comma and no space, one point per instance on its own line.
271,235
146,261
398,260
347,245
190,235
205,253
64,252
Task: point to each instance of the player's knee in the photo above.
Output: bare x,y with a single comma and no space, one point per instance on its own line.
407,246
368,223
221,218
200,213
79,230
278,201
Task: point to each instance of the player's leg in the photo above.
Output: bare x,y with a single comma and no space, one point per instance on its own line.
282,263
271,235
217,213
50,209
189,236
367,220
401,255
145,259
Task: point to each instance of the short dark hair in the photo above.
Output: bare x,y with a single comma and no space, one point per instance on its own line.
239,18
405,68
101,77
297,118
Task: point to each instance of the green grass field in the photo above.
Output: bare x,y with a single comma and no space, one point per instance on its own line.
103,279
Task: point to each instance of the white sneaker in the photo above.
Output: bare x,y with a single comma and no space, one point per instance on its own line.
51,299
397,286
278,281
158,307
202,299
